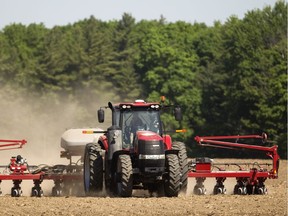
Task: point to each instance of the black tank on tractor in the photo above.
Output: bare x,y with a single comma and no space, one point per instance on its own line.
134,153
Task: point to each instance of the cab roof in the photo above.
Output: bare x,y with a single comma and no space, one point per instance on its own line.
137,103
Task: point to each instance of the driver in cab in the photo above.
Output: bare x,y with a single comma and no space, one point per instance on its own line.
137,124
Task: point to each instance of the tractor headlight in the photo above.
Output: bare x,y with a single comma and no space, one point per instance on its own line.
125,106
155,106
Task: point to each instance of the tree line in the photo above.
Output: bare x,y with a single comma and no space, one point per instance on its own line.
229,78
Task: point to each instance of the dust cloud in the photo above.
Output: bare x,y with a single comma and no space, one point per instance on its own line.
42,122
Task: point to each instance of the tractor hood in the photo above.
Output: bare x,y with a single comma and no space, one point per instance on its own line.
148,136
148,143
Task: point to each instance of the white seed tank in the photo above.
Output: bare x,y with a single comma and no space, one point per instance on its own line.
75,140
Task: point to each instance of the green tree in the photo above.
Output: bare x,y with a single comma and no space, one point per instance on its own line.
95,58
121,67
250,79
169,70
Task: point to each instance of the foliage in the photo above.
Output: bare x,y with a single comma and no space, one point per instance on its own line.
230,78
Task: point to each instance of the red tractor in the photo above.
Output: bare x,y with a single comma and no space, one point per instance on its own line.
135,153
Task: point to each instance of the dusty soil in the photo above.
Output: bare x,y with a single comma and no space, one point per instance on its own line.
275,203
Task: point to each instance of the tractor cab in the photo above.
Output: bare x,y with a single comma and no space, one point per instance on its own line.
133,117
136,116
139,118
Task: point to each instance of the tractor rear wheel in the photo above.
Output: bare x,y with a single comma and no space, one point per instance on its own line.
182,157
93,169
172,180
124,173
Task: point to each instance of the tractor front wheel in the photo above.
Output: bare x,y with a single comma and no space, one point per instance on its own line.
93,169
172,181
124,174
183,163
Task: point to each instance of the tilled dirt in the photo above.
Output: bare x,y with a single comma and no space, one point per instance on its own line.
274,203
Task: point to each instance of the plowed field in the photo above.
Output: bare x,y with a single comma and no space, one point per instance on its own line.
275,203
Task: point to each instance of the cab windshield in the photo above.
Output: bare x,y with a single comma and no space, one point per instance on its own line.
135,120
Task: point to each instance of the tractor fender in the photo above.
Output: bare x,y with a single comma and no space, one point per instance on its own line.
167,141
103,141
172,151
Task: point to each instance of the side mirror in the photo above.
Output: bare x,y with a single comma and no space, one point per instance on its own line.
178,113
101,115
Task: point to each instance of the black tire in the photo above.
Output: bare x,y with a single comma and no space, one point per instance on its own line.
93,169
56,191
16,192
36,192
183,162
172,180
249,189
124,173
235,191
